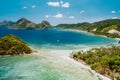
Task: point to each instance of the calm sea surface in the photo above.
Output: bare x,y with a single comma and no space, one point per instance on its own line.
52,63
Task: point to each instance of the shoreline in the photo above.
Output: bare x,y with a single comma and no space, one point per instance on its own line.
68,57
93,72
89,33
66,54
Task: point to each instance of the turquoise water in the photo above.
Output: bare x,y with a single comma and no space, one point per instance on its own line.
52,61
58,38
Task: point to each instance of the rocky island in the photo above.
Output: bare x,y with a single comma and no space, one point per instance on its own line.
12,45
24,23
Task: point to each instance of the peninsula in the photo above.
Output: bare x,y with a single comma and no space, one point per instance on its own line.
12,45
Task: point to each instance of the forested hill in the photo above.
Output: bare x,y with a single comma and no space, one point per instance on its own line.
109,27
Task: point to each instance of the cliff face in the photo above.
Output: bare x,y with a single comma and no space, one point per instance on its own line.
12,45
24,23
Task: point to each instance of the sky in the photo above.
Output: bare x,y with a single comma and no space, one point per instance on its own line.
60,11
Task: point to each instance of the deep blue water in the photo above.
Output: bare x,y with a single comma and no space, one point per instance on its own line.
56,37
52,64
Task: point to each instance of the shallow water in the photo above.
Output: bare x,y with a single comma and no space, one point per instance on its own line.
52,61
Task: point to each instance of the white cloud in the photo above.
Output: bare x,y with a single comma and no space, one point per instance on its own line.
33,6
61,2
71,17
54,4
59,15
82,11
24,7
47,16
114,17
66,5
113,12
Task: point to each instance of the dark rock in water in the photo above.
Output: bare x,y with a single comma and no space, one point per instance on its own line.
12,45
6,23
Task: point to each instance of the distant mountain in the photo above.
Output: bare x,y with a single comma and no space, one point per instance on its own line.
24,23
110,27
6,23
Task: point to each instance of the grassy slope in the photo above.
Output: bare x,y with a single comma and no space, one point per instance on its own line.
102,27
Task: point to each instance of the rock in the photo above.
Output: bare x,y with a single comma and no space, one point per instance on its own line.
12,45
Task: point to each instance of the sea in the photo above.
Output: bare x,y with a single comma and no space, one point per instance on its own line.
52,59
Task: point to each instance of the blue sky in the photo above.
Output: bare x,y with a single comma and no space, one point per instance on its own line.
60,11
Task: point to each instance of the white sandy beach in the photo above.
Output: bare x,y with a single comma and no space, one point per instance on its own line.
65,55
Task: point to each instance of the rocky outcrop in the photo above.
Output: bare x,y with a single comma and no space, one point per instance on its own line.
12,45
45,24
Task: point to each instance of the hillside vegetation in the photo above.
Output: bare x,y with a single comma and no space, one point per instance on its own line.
105,61
109,28
12,45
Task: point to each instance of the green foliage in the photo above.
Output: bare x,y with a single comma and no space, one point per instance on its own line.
102,27
103,60
12,45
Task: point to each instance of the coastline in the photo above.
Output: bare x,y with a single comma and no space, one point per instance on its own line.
88,33
85,66
93,72
64,54
67,57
